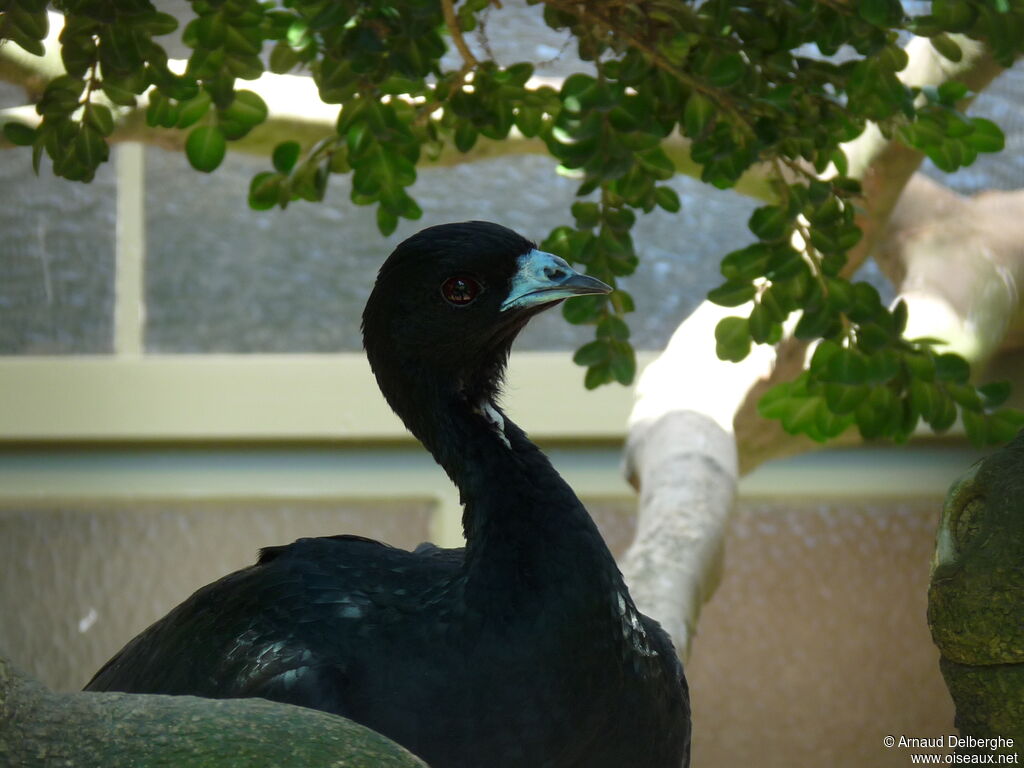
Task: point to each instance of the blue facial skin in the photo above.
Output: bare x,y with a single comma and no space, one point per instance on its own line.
543,277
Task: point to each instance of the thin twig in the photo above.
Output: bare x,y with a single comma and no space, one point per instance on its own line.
582,12
468,59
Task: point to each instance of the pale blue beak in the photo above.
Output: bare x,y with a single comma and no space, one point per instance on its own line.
543,278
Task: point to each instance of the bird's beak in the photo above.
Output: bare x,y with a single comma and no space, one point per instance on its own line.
543,278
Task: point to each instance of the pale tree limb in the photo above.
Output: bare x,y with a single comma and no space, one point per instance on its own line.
695,428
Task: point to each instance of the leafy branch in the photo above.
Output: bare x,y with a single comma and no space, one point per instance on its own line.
735,80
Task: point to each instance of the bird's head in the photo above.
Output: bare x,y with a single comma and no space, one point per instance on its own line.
449,302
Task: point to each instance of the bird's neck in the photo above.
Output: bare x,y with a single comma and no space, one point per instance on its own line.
522,521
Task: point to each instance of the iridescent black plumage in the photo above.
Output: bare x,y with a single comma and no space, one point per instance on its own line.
524,650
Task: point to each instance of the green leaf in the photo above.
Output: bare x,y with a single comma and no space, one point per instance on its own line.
99,117
192,110
465,136
976,427
881,13
587,215
597,375
612,327
529,120
19,134
965,396
840,296
883,364
824,352
814,323
726,71
666,198
800,415
265,190
747,263
592,353
899,316
786,264
622,301
925,397
247,108
944,415
845,366
953,15
948,156
159,23
871,336
698,115
946,46
995,393
952,367
205,147
283,58
117,94
761,324
844,398
285,155
387,222
623,365
951,91
878,413
986,136
920,365
90,147
657,162
298,34
866,304
1004,424
161,111
30,22
775,402
769,222
583,309
732,293
732,336
773,300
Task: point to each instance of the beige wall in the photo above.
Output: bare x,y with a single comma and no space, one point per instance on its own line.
814,648
78,582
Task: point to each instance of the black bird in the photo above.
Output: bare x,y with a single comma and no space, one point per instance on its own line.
522,650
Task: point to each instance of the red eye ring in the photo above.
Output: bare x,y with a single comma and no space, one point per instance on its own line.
460,290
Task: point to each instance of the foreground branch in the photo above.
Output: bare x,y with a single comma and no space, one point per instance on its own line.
39,728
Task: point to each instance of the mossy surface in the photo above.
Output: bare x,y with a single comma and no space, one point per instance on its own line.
40,729
976,597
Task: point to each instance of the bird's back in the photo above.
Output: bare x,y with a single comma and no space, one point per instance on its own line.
381,635
294,627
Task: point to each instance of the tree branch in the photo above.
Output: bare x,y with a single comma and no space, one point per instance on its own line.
295,112
695,427
468,59
39,728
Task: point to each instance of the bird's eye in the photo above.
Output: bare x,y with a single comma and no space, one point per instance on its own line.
460,290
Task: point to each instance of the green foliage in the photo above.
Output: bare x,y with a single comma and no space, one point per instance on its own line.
734,78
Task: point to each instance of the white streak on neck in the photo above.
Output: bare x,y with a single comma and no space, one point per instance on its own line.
495,418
